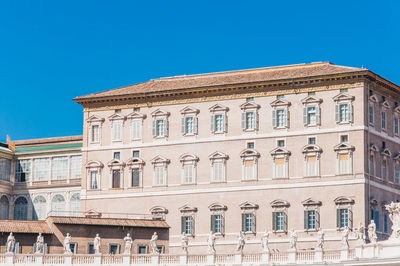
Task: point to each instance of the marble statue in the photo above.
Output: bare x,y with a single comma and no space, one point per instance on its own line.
96,244
361,233
264,241
241,242
10,243
185,242
394,216
128,244
321,239
293,239
153,243
67,246
39,244
211,243
345,238
372,232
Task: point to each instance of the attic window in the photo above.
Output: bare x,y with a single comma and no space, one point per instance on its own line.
344,90
117,155
117,111
311,93
370,93
312,141
250,99
281,96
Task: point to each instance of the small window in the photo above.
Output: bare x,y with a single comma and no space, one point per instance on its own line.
250,99
117,155
136,109
344,90
281,96
142,249
114,249
73,247
344,138
383,145
250,145
136,154
383,98
281,143
383,120
117,111
370,93
90,248
312,141
311,93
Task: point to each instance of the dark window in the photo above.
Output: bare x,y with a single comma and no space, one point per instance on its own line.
383,145
370,93
117,155
116,176
344,90
311,93
281,143
250,145
250,99
136,109
114,249
136,154
142,250
135,177
73,247
383,98
90,248
344,138
312,141
160,249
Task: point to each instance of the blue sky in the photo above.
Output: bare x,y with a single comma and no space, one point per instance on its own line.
52,51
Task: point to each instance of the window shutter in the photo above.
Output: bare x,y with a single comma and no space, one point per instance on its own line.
45,248
212,123
192,229
305,115
154,128
285,117
350,112
318,115
305,219
212,223
257,118
243,120
350,219
166,126
285,221
225,117
16,248
273,118
243,222
338,218
317,219
253,223
337,119
222,224
274,221
183,126
139,128
34,247
195,121
183,227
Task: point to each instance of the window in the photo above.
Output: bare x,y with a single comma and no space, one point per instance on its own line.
187,223
310,220
396,172
189,162
5,169
312,155
344,90
249,116
249,165
142,250
73,247
75,166
189,124
116,134
344,159
250,121
136,109
21,209
280,168
94,182
280,97
280,113
311,93
4,208
344,164
95,133
114,249
90,248
136,129
216,223
218,119
160,124
281,143
311,166
279,220
383,120
59,167
74,205
39,208
384,168
343,218
344,114
250,145
371,114
248,222
116,179
218,166
385,223
159,175
136,154
135,177
219,123
135,165
344,138
280,118
58,206
117,155
396,125
312,141
250,99
344,214
376,216
41,169
311,115
23,170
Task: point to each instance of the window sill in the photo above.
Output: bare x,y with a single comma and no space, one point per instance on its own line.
116,188
249,130
135,187
187,184
344,123
249,180
280,128
219,132
279,232
93,189
190,135
116,140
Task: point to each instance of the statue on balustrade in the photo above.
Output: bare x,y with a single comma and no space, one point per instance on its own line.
372,232
264,241
321,239
394,216
67,242
96,244
345,238
211,243
39,244
361,233
128,244
10,243
293,239
153,243
241,242
185,242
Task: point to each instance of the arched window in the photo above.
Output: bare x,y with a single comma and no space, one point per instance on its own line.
39,208
58,205
21,209
74,205
4,206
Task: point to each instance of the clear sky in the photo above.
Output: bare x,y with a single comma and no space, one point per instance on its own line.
53,51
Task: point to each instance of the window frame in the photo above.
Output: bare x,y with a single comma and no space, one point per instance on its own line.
312,150
220,158
247,108
160,162
340,100
159,115
249,155
188,212
136,117
280,206
344,203
217,209
191,160
311,102
189,113
280,105
215,111
311,206
248,209
280,153
93,166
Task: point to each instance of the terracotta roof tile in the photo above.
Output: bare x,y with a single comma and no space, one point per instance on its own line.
55,140
230,77
16,226
109,221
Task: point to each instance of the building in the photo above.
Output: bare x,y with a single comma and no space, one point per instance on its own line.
280,148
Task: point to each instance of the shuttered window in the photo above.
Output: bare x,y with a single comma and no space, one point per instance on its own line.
311,166
218,171
135,177
159,175
136,129
249,170
94,182
217,223
116,130
311,219
187,225
95,133
280,168
188,173
248,222
344,164
279,221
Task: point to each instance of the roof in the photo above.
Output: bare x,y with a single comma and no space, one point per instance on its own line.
229,77
44,141
17,226
108,221
56,143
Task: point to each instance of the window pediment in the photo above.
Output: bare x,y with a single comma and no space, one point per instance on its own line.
344,147
116,116
373,98
249,105
311,99
160,112
311,148
373,148
397,109
95,118
218,155
136,115
158,210
93,214
217,207
373,202
115,162
187,208
311,202
188,157
280,151
134,161
386,104
249,153
280,103
94,164
280,204
396,156
160,159
386,152
248,206
343,97
343,200
218,108
189,110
